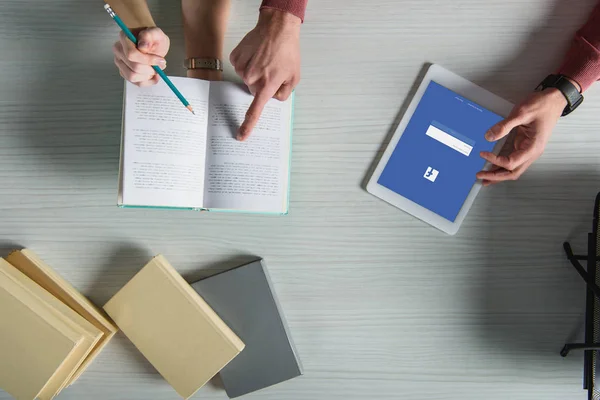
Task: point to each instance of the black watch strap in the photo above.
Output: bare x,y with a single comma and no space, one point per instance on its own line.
570,91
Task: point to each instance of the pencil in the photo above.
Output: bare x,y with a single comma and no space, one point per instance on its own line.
159,71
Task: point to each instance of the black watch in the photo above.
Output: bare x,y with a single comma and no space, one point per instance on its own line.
570,91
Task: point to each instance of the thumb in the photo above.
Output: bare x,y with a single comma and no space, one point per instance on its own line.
503,128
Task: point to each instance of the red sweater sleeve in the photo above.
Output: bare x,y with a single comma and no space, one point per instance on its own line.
582,62
296,7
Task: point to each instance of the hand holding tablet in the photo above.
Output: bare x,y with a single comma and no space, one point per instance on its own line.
533,121
429,168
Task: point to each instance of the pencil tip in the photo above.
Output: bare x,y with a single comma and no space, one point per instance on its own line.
191,109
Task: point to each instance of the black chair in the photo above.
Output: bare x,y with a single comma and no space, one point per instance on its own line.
591,275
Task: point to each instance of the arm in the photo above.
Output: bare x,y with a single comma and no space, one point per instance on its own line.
204,26
294,7
534,118
582,63
135,13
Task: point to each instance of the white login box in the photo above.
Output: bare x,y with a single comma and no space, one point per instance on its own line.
449,140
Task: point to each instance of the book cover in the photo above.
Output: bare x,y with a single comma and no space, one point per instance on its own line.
32,266
34,342
90,334
245,299
173,327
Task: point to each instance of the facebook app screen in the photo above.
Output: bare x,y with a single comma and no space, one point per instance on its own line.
436,159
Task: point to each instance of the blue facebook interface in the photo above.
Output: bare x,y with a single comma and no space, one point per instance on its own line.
436,159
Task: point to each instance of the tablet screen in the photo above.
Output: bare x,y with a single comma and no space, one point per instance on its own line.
436,159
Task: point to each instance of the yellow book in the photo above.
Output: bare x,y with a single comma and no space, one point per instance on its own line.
34,342
89,332
31,265
173,327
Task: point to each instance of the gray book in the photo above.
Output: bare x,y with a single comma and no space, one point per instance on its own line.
245,300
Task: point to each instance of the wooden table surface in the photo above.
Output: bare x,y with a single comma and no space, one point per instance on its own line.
380,305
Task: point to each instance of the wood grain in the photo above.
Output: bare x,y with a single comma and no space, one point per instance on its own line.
380,305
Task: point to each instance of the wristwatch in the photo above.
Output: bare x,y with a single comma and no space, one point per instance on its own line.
203,63
570,91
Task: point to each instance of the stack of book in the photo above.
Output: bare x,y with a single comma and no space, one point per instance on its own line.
49,334
230,323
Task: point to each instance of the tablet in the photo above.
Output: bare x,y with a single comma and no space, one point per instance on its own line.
428,169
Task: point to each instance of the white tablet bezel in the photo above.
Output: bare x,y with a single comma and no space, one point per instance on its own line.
466,89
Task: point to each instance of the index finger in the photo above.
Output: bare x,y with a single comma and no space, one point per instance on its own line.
254,111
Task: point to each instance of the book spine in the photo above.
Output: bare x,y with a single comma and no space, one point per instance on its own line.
281,315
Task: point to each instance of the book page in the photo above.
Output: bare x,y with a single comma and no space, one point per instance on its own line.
250,175
164,146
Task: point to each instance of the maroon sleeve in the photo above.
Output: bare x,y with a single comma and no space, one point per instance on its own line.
296,7
582,63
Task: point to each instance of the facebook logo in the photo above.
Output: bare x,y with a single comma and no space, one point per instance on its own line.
431,174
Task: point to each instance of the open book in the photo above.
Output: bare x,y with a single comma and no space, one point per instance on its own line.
174,159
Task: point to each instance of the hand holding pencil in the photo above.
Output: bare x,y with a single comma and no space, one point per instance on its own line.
141,60
135,63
